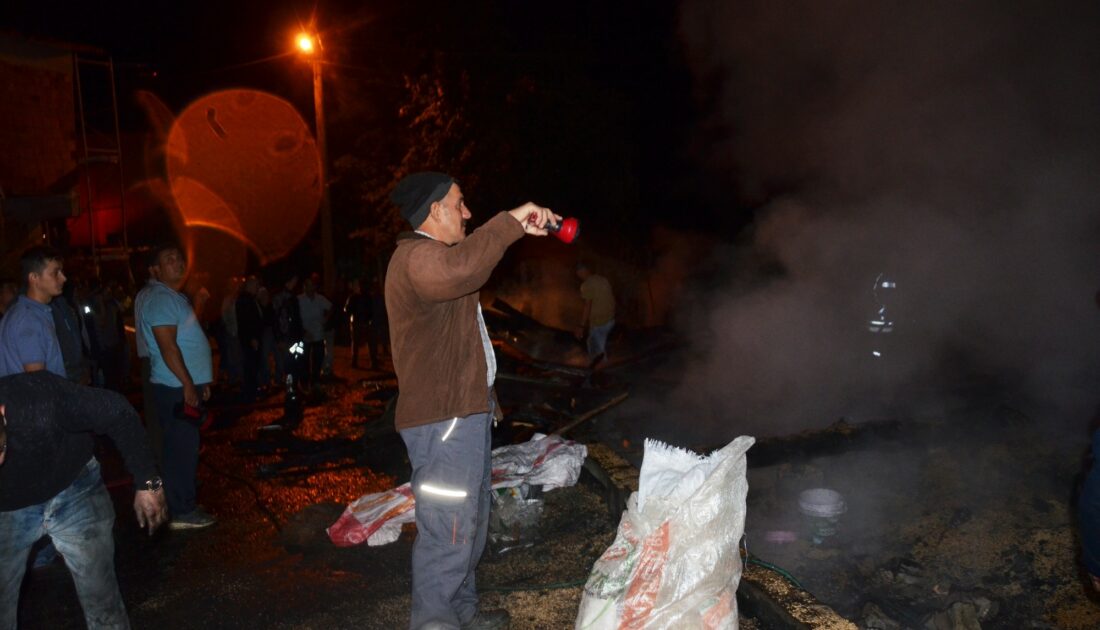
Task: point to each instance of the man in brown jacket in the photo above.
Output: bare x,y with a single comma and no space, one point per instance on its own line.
445,372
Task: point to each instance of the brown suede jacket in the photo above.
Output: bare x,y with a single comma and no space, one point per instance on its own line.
431,298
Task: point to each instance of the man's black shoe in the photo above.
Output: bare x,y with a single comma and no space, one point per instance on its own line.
489,620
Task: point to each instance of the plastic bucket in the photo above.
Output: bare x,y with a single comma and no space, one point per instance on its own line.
822,508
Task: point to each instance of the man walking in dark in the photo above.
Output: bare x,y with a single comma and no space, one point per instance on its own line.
288,331
314,310
378,333
112,337
50,485
599,313
445,371
357,309
71,328
250,331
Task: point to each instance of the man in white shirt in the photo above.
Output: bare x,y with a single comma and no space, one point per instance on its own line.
315,309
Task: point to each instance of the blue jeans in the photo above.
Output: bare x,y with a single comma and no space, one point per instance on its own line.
597,339
450,530
79,521
181,450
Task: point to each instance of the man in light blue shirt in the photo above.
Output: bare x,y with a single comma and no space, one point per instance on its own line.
28,340
180,371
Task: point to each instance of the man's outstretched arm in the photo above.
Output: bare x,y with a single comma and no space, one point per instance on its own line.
108,413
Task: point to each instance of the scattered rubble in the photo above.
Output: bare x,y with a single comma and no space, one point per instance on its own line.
958,522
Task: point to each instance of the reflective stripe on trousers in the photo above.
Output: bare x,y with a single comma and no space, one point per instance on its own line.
451,483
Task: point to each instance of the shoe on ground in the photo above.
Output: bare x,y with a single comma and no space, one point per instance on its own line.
195,519
489,620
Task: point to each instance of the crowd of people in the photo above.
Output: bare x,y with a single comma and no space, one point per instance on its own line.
65,363
50,484
264,336
254,330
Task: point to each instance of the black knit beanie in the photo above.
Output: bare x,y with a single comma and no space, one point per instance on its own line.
415,194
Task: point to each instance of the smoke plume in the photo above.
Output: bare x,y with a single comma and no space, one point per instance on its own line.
951,147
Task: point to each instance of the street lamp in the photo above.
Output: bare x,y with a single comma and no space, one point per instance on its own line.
309,44
305,43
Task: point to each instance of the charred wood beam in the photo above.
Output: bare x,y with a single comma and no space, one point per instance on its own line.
585,417
842,436
536,382
754,602
838,437
618,478
580,372
524,320
779,604
638,357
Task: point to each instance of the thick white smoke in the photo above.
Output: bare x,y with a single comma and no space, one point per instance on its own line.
952,146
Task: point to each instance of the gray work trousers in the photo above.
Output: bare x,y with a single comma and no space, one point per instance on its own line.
451,467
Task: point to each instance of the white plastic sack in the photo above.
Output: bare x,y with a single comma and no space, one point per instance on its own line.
674,562
548,461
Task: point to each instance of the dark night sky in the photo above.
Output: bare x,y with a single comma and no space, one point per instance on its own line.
197,47
746,122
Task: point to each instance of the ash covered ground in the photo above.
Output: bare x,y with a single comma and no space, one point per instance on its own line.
953,517
267,563
958,516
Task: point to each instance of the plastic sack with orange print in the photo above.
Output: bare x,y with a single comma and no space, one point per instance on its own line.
674,562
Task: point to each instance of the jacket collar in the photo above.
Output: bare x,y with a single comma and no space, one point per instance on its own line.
407,236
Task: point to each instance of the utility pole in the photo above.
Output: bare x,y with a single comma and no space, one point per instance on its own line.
327,253
310,45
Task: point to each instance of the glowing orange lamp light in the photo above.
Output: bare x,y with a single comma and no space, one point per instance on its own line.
305,43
